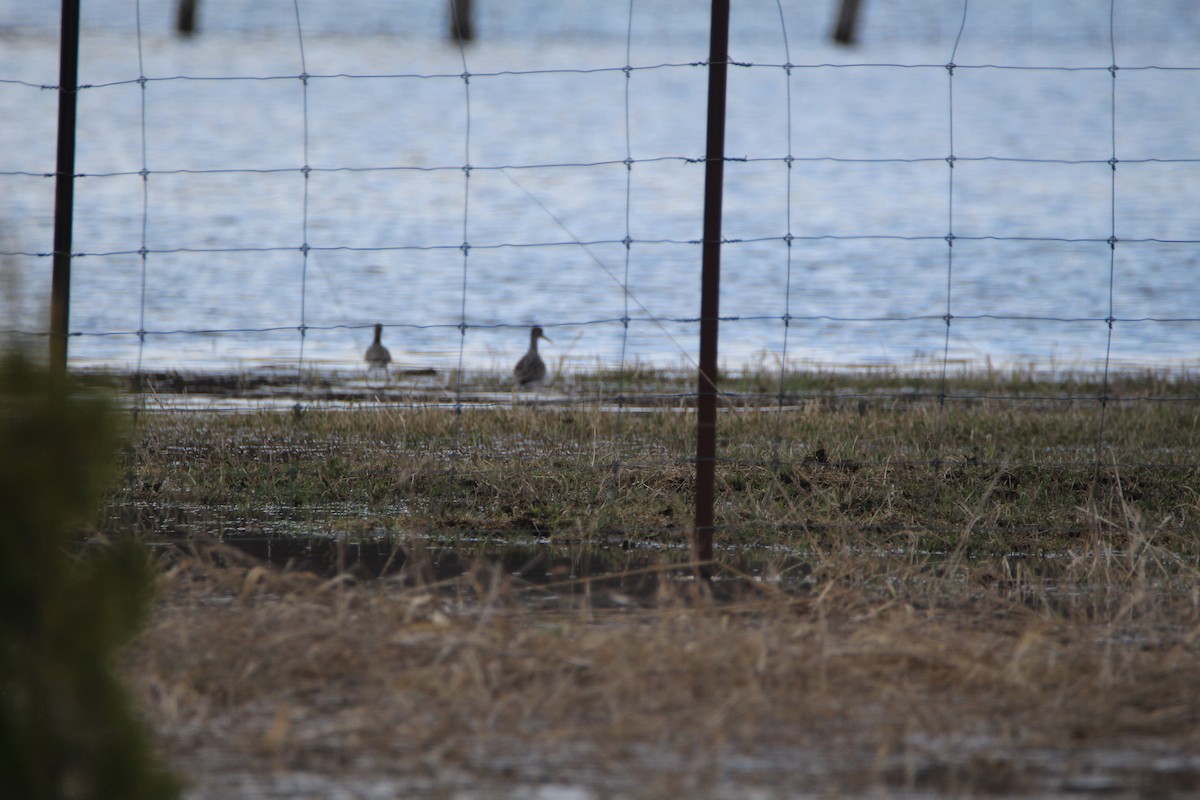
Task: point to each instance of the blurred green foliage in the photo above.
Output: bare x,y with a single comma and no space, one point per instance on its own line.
67,727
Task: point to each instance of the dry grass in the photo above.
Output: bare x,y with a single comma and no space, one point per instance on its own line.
951,678
995,597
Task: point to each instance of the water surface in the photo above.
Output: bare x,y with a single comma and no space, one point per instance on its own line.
839,204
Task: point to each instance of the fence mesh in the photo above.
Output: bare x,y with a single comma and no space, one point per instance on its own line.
899,230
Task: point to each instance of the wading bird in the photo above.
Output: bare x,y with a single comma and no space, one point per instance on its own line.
530,371
377,356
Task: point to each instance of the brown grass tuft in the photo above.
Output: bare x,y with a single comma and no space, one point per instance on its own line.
880,674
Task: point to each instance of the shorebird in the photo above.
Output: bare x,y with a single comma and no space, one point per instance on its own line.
530,371
377,356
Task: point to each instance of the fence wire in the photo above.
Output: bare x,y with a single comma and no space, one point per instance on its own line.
483,225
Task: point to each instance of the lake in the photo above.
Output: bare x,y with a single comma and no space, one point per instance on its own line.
871,192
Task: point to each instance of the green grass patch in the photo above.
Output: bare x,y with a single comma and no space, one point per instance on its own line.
1000,463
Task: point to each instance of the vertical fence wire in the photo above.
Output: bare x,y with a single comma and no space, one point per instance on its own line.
619,432
788,241
628,240
1109,319
143,252
948,317
306,171
466,219
456,427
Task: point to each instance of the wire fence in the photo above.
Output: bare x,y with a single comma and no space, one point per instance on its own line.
265,206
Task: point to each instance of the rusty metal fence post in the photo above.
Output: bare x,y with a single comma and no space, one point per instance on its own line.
462,21
185,17
64,189
710,288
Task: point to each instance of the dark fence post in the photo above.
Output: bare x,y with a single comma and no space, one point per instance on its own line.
710,287
64,187
462,27
847,25
185,18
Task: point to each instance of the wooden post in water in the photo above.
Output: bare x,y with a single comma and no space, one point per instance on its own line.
846,30
64,188
185,19
710,288
462,23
